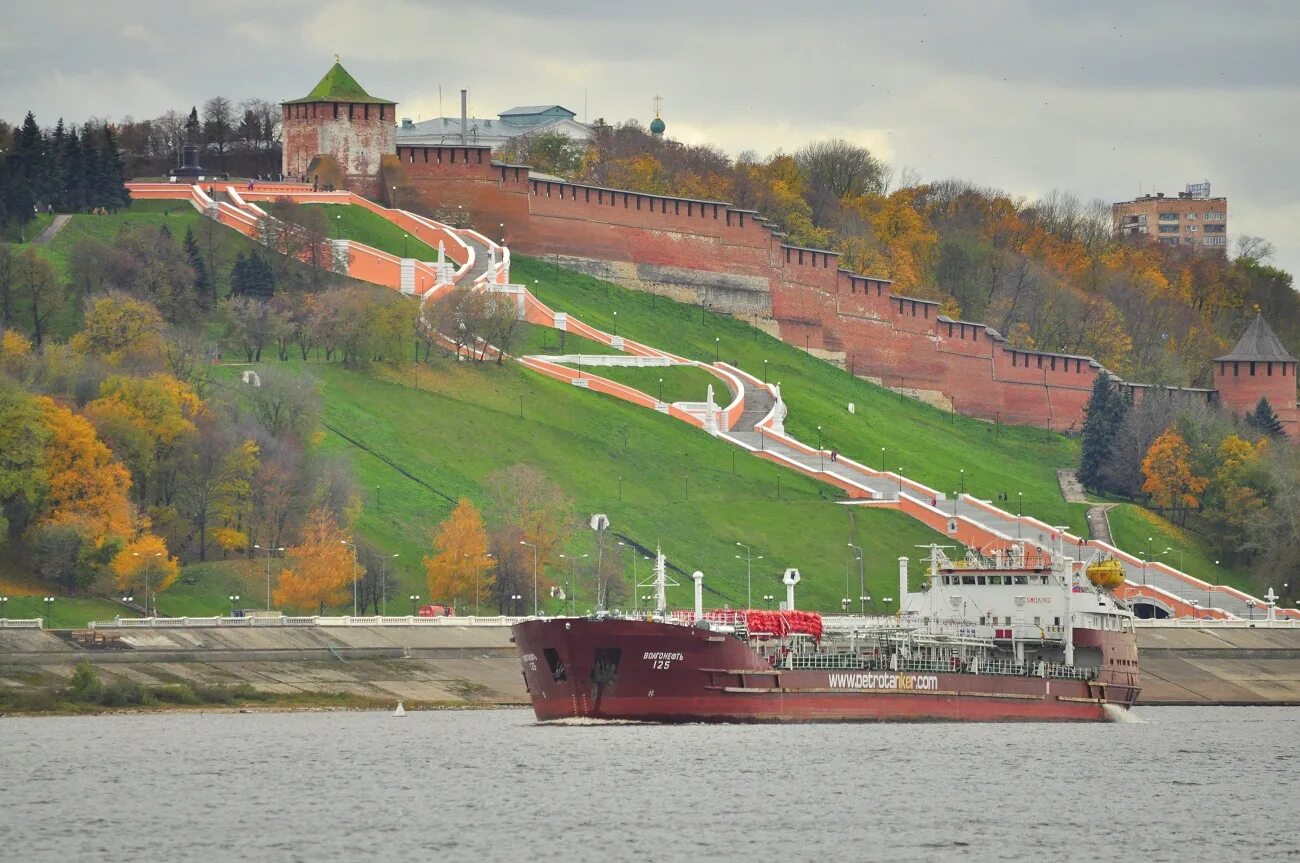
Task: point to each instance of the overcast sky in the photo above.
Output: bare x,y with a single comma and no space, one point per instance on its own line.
1099,99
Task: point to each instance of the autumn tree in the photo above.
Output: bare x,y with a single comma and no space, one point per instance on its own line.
528,507
321,566
147,420
458,569
1170,481
145,561
119,329
23,441
38,293
85,486
216,484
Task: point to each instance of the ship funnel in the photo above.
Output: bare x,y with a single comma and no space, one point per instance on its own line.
699,594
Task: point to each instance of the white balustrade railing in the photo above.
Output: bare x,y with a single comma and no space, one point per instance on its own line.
1215,623
22,623
628,360
251,621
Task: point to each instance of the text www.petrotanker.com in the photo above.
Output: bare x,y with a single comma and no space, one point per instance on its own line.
874,680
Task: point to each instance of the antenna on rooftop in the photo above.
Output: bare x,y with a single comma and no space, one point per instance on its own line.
336,59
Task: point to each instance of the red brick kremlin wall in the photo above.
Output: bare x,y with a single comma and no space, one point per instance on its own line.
735,261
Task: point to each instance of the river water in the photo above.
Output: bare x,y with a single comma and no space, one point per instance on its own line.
1185,784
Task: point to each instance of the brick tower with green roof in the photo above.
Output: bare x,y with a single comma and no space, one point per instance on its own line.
338,133
1259,367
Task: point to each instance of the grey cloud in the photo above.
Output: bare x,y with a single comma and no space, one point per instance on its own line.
1027,96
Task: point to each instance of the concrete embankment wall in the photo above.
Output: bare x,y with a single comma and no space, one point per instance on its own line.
1237,665
472,665
453,664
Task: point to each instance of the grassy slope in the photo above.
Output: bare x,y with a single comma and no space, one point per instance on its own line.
26,233
362,226
1147,535
927,444
681,383
176,215
534,339
453,424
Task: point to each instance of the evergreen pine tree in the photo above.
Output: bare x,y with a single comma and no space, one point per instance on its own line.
203,288
29,147
54,158
261,276
1105,413
239,276
1264,419
74,174
115,170
92,158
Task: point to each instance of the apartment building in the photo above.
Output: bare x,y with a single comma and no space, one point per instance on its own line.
1193,218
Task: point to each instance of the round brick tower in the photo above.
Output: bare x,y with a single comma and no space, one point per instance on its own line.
1259,367
338,133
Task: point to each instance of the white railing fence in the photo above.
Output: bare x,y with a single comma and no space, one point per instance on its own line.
251,621
22,623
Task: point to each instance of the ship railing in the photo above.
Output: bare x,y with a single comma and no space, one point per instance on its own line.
1006,667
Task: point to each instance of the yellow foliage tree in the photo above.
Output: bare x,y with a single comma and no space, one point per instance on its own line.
322,566
86,485
460,570
144,562
1169,477
117,327
145,419
15,350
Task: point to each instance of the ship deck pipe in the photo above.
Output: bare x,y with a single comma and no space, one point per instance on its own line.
699,594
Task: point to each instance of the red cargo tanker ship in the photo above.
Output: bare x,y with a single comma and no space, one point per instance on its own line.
989,639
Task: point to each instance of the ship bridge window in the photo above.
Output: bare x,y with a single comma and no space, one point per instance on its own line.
1006,621
1021,579
968,579
995,579
1038,621
980,579
1056,621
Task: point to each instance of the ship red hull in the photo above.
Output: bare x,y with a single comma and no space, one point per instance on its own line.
628,670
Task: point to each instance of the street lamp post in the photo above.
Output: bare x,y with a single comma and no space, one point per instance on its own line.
661,391
844,605
4,603
415,597
148,566
767,598
534,547
717,348
749,574
615,323
269,553
573,575
404,247
963,480
862,581
354,574
862,601
516,598
234,597
821,463
764,372
49,607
